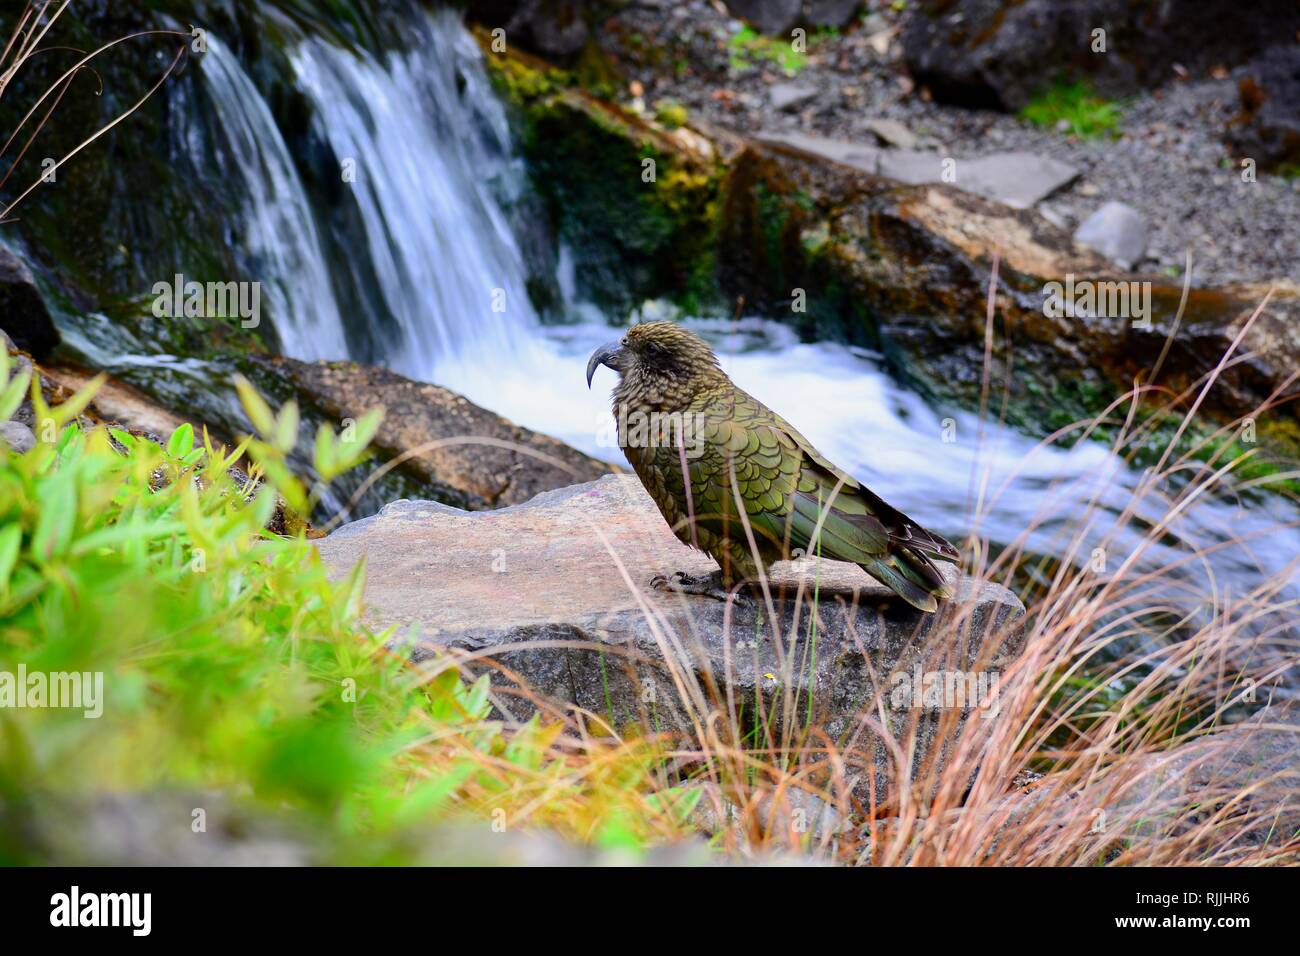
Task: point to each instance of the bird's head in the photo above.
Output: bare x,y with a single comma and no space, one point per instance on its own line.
657,354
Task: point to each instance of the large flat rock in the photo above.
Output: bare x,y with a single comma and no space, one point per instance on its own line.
559,591
1016,179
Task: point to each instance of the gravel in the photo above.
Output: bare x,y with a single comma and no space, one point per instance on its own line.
1168,161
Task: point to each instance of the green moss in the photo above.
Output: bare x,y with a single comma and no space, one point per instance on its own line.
747,48
520,81
1074,105
635,208
596,73
671,114
1275,450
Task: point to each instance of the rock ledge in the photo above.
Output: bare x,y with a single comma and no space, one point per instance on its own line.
557,591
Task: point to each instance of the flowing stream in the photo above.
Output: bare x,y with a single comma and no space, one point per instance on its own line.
425,147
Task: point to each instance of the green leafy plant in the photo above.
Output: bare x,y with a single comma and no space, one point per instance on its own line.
1073,106
671,114
748,47
232,662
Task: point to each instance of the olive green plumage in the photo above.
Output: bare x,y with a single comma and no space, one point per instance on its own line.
707,451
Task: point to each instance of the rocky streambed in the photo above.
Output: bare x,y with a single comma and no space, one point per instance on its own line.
923,81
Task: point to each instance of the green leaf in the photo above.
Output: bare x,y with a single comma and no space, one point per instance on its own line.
182,441
125,439
12,396
69,410
286,428
323,456
427,798
258,412
476,701
354,445
58,517
677,802
352,593
11,539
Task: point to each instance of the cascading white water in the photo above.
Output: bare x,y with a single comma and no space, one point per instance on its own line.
281,243
428,153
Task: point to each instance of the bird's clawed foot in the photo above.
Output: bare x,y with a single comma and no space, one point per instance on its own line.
705,585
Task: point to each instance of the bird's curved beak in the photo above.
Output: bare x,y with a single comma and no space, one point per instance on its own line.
610,355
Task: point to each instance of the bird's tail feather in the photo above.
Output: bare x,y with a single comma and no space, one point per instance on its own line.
905,569
912,577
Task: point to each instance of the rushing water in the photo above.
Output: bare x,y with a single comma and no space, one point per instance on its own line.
940,467
425,149
280,240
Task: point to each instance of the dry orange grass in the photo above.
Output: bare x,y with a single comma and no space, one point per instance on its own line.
1142,724
27,40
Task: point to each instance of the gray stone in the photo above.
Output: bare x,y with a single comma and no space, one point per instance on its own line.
1252,768
768,16
830,13
1117,231
874,23
911,165
1017,179
155,829
786,96
792,810
866,158
17,437
559,592
893,133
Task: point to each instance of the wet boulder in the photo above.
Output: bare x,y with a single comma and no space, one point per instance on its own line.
1000,53
768,16
468,454
1268,127
555,28
22,310
780,16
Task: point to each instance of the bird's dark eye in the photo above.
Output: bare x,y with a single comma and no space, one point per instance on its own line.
624,342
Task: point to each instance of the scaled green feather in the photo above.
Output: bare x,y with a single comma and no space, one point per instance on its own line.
740,456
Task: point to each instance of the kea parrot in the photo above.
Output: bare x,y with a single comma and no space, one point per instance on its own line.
707,452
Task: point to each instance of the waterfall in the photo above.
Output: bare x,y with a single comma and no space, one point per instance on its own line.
425,147
281,245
